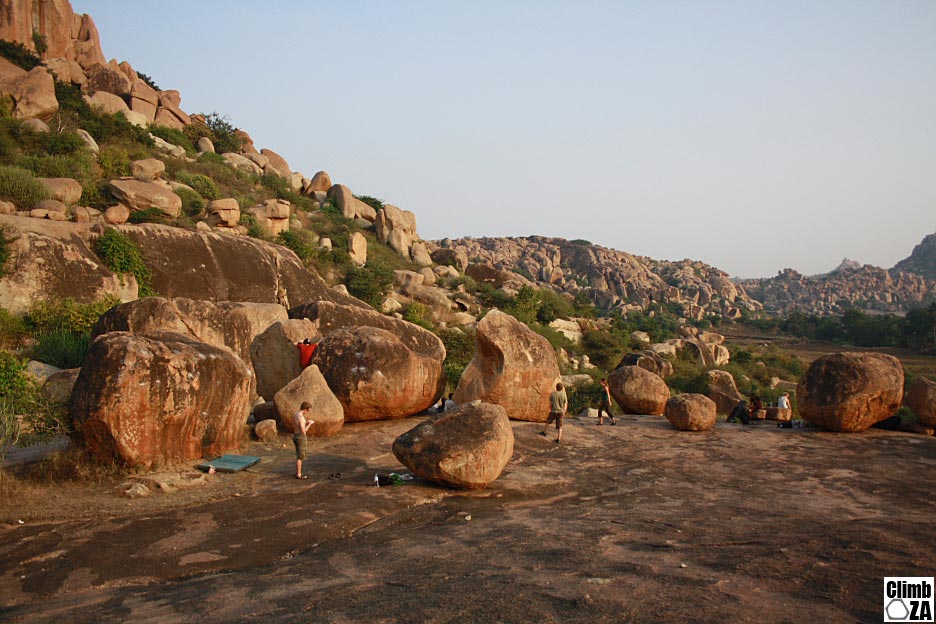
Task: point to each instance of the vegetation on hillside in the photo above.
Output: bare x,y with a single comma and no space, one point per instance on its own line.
915,330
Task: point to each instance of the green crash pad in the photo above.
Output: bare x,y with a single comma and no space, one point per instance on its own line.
230,463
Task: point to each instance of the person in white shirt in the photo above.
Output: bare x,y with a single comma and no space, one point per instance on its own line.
784,401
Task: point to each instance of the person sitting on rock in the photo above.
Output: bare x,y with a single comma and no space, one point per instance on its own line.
306,351
605,403
740,413
558,404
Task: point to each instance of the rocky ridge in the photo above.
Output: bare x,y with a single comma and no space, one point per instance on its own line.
612,279
922,260
868,287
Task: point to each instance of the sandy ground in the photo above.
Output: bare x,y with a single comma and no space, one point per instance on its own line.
633,523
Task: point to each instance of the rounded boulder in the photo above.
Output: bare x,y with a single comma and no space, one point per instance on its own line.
921,399
849,392
638,391
691,412
310,387
465,448
375,376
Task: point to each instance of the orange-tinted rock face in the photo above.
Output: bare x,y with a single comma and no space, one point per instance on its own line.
67,35
465,448
921,399
513,367
376,376
638,391
850,391
160,398
691,412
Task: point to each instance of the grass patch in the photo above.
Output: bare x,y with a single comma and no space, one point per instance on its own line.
21,187
121,255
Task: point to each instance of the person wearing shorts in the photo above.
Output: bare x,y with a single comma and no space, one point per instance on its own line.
558,404
605,404
301,426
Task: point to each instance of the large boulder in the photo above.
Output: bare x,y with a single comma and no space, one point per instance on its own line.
328,316
466,448
350,206
65,190
310,386
33,94
160,398
320,182
396,228
638,391
376,376
229,324
921,399
108,77
690,412
140,195
653,362
513,367
275,356
850,391
723,391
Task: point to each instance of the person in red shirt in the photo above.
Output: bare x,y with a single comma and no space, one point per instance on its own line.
306,351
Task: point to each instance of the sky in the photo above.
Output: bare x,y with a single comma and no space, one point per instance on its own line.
751,135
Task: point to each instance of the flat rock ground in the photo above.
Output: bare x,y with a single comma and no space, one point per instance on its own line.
633,523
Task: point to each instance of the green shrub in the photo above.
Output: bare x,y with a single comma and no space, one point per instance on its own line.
212,157
12,329
6,251
192,203
300,242
370,283
419,314
121,255
66,315
40,43
224,134
584,396
459,350
148,215
202,184
114,161
98,195
75,112
14,381
373,202
78,165
21,187
18,54
62,348
604,348
253,228
149,81
174,136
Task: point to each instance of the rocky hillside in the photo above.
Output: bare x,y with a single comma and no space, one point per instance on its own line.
922,260
611,279
868,288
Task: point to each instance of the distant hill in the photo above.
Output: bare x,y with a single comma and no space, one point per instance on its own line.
922,260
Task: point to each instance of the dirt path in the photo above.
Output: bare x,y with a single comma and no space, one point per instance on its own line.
636,523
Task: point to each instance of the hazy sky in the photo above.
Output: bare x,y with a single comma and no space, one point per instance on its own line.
750,135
